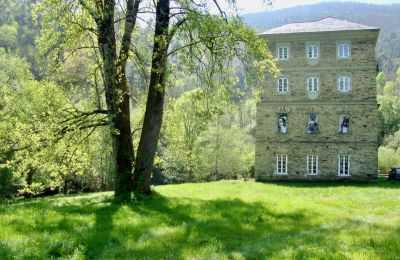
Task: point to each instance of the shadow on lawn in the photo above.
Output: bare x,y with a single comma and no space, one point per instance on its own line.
160,227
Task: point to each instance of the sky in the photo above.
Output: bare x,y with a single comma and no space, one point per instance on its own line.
252,6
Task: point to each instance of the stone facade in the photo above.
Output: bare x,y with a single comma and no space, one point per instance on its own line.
340,151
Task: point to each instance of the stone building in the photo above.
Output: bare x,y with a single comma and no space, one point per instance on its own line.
318,119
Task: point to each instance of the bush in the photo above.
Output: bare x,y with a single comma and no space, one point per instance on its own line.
387,159
7,190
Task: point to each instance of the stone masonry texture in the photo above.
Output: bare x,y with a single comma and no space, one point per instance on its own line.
359,143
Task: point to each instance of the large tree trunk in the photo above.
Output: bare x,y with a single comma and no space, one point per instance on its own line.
117,93
155,102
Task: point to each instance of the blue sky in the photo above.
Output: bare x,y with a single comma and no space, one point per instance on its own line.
251,6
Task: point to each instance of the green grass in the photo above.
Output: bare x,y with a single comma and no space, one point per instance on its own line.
219,220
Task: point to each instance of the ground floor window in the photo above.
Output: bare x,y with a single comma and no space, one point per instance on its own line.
312,165
344,165
281,164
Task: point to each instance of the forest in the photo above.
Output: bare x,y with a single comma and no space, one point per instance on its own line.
99,97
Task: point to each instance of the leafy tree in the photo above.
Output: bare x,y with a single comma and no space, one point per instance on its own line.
188,33
380,83
40,146
387,159
94,23
186,118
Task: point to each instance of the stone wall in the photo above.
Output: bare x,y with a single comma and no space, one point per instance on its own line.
360,143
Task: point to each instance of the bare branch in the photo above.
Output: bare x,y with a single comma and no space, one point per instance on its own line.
223,14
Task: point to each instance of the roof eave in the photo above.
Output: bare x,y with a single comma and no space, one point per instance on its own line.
295,34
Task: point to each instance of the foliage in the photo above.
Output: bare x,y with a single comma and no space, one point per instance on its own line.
388,158
380,83
206,141
36,144
17,31
389,114
225,153
220,220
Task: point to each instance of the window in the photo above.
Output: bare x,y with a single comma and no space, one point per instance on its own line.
312,84
344,84
312,51
344,165
282,123
312,165
283,51
283,85
312,124
281,164
343,50
344,124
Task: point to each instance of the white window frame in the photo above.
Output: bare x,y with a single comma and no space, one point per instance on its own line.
344,165
344,84
312,165
281,164
282,85
313,84
342,52
313,49
280,49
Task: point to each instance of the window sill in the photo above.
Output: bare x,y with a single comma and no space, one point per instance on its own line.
339,175
281,174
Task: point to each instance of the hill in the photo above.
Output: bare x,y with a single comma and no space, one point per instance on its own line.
219,220
385,17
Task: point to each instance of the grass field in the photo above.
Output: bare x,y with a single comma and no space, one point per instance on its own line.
219,220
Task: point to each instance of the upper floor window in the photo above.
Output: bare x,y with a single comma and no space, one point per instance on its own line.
344,123
312,84
313,51
344,84
344,165
312,124
283,85
283,51
282,123
281,164
343,50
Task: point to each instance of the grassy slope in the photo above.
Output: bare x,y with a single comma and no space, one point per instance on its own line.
228,219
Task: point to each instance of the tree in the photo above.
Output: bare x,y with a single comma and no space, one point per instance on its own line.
206,45
189,35
93,18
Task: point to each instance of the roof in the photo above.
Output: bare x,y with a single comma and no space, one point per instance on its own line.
325,25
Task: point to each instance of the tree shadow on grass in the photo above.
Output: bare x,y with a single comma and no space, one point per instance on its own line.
235,228
176,228
67,229
229,227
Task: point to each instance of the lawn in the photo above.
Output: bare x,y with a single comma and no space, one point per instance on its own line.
219,220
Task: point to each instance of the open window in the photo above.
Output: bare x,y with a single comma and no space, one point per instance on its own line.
282,123
344,123
312,124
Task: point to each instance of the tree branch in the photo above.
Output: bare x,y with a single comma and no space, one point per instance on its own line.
90,10
223,14
130,21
